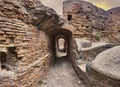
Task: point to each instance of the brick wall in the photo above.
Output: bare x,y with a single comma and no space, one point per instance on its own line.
23,41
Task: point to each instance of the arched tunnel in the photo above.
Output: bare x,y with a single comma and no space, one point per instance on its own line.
61,72
60,43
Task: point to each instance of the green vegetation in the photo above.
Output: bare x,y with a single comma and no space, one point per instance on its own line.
98,36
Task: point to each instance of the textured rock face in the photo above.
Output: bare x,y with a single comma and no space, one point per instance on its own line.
87,54
105,68
113,24
87,18
111,63
24,51
92,22
24,46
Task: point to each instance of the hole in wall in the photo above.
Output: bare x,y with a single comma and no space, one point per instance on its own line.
69,17
3,67
20,58
119,31
11,50
8,58
87,27
87,17
89,7
111,12
3,60
3,57
12,56
82,25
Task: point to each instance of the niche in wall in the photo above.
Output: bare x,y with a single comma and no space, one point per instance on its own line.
8,59
69,17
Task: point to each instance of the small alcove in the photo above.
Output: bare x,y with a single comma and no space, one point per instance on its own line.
3,59
8,58
69,17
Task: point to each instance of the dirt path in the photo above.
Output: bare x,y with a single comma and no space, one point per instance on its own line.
61,74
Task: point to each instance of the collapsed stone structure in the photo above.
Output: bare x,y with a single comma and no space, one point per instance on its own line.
94,31
91,22
29,33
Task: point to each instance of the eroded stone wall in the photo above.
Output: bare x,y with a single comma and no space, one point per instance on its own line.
87,18
24,52
91,22
24,42
113,25
88,22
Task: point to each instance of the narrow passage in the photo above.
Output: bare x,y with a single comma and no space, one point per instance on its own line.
61,74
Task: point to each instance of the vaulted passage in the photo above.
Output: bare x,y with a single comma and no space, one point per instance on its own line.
60,40
61,72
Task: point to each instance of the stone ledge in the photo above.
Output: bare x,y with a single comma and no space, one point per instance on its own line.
108,62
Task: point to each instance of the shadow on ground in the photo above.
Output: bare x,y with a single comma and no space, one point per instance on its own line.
61,74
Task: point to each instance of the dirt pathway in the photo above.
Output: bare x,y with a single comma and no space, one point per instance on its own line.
61,74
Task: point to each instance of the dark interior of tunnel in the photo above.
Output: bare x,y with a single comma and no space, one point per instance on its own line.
54,36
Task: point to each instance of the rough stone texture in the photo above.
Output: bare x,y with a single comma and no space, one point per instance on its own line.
66,78
87,21
104,70
87,18
81,43
89,52
24,46
111,63
24,50
83,57
91,22
113,25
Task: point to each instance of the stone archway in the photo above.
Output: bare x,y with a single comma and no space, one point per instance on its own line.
56,50
61,46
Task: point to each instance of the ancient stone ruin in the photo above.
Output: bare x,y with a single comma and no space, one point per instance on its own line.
32,36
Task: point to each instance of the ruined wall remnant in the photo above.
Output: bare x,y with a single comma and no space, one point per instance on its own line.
87,18
23,41
101,29
28,31
91,22
113,24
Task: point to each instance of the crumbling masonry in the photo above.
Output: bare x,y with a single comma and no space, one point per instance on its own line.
28,32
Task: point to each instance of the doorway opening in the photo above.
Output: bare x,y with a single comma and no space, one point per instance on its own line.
60,43
61,47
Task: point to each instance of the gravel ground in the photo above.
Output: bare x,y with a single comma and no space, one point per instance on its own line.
61,74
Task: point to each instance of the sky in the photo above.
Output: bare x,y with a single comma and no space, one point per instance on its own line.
55,4
104,4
